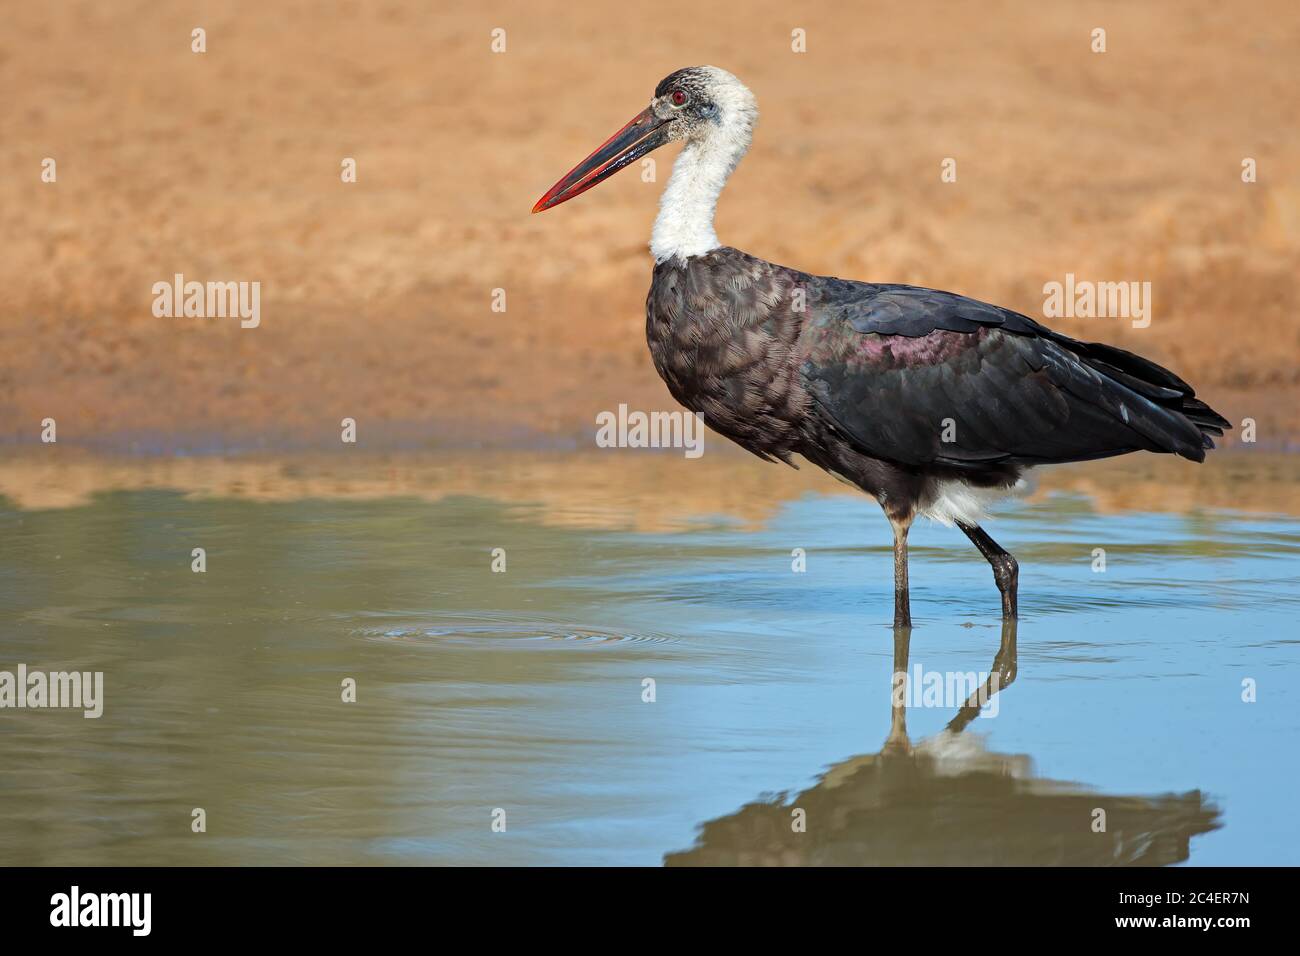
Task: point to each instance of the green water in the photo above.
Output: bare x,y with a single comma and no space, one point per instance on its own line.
521,695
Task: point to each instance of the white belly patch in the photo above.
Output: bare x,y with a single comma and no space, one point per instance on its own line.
958,501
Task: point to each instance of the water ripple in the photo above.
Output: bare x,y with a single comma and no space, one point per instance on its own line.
483,631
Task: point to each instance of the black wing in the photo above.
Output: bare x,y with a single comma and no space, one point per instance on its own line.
919,376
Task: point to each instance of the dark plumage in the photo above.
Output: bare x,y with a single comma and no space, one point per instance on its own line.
865,379
925,400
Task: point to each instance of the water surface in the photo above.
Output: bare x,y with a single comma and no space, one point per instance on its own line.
524,691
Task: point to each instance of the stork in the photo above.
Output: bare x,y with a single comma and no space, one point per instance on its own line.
932,403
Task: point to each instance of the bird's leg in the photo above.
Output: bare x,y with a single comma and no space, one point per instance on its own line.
898,741
1002,673
1006,572
902,606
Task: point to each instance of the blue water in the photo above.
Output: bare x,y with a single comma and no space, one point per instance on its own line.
523,691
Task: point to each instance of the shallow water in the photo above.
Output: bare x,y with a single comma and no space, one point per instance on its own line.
524,691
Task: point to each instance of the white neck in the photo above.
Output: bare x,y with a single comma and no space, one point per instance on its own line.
684,226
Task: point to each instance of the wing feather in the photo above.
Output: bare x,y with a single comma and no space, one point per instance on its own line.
920,376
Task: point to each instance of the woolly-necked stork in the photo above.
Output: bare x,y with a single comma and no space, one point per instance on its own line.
931,402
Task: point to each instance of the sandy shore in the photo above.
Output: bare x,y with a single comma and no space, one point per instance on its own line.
618,489
376,296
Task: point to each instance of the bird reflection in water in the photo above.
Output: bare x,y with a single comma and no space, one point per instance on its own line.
948,800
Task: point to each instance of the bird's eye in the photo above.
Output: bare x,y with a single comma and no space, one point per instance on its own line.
679,98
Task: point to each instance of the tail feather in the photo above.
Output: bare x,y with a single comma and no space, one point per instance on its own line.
1162,388
1203,416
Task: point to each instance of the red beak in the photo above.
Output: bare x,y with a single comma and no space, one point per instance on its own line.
642,134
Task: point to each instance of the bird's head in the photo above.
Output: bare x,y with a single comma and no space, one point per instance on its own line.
703,105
